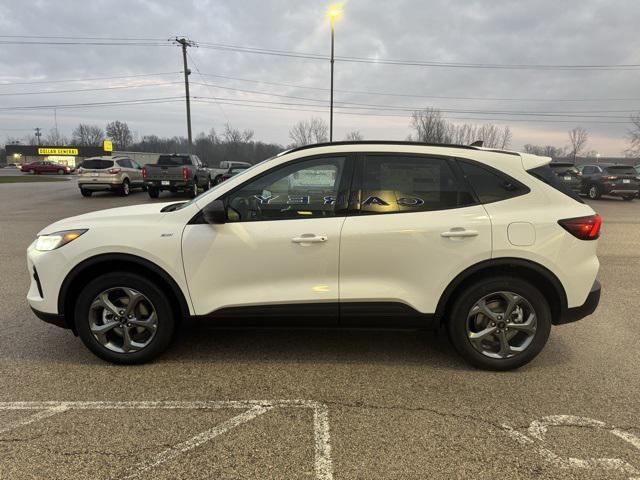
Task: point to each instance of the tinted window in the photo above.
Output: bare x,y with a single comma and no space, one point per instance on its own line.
587,170
547,175
173,160
124,162
305,189
490,185
621,170
97,164
393,183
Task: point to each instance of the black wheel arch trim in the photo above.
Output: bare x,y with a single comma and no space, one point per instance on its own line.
503,262
121,257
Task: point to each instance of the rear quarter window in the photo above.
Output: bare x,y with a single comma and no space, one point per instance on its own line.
546,175
489,184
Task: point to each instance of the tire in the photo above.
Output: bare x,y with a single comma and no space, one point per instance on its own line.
125,190
85,192
460,324
218,180
143,187
208,185
594,192
153,192
193,189
628,198
60,172
151,342
32,172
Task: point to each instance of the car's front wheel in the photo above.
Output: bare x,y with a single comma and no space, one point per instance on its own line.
125,189
124,318
153,192
594,192
628,198
500,323
85,192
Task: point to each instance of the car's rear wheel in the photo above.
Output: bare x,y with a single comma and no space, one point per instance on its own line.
193,191
124,318
125,190
61,172
500,323
628,198
32,172
594,192
208,184
153,192
85,192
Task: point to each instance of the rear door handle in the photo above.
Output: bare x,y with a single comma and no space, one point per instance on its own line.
459,232
310,238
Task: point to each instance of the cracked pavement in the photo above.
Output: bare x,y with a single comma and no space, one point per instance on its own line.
401,405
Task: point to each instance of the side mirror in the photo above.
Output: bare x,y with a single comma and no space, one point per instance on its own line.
215,212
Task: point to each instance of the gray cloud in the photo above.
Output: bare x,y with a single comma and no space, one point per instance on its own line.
503,32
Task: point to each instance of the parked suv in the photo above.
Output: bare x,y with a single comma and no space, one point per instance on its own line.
118,174
610,179
484,243
568,175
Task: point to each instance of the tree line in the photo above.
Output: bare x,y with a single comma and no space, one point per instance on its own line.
427,125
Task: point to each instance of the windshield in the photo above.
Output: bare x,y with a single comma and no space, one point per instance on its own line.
560,169
242,173
173,160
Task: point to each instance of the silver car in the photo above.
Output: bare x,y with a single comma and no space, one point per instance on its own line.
119,174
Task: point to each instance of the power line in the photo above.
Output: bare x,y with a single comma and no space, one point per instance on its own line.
68,80
79,90
94,104
410,95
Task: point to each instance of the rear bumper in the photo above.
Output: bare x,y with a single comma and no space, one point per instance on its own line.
94,187
172,184
584,310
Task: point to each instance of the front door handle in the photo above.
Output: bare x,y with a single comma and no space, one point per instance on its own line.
459,232
310,238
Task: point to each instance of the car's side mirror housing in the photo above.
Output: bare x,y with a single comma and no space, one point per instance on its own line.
215,212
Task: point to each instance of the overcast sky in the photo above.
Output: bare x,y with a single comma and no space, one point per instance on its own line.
549,32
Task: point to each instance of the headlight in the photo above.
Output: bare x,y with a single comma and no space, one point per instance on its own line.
44,243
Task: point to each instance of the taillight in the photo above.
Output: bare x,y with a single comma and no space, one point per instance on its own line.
185,173
114,170
584,228
144,172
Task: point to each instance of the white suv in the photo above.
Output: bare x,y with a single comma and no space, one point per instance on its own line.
481,242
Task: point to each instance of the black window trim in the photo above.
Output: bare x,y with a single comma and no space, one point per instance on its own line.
346,183
356,190
524,188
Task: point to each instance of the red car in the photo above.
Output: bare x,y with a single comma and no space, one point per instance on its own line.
45,167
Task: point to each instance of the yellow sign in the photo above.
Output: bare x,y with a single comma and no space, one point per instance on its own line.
108,146
57,151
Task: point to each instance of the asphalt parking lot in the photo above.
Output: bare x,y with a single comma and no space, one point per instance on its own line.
230,404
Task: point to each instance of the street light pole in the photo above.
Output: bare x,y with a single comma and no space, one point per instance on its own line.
331,108
333,13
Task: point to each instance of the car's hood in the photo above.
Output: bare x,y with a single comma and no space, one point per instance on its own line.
138,214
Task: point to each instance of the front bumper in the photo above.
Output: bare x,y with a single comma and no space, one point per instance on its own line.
584,310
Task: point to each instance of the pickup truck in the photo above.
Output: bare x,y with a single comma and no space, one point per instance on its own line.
176,172
224,168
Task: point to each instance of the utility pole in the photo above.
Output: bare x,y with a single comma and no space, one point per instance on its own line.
331,108
38,134
186,43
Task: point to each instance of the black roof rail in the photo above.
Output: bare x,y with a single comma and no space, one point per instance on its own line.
393,142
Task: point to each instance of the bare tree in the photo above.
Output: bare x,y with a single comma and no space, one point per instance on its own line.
306,132
633,135
86,135
429,126
233,135
578,138
120,134
505,138
546,151
54,137
354,136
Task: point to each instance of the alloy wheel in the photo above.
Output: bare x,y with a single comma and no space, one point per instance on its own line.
123,320
593,192
501,325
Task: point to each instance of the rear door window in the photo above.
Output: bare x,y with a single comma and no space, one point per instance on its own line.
410,183
491,185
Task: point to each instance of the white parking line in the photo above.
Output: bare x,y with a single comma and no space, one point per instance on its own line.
538,429
253,408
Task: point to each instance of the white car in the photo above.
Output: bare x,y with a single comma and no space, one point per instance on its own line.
484,243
